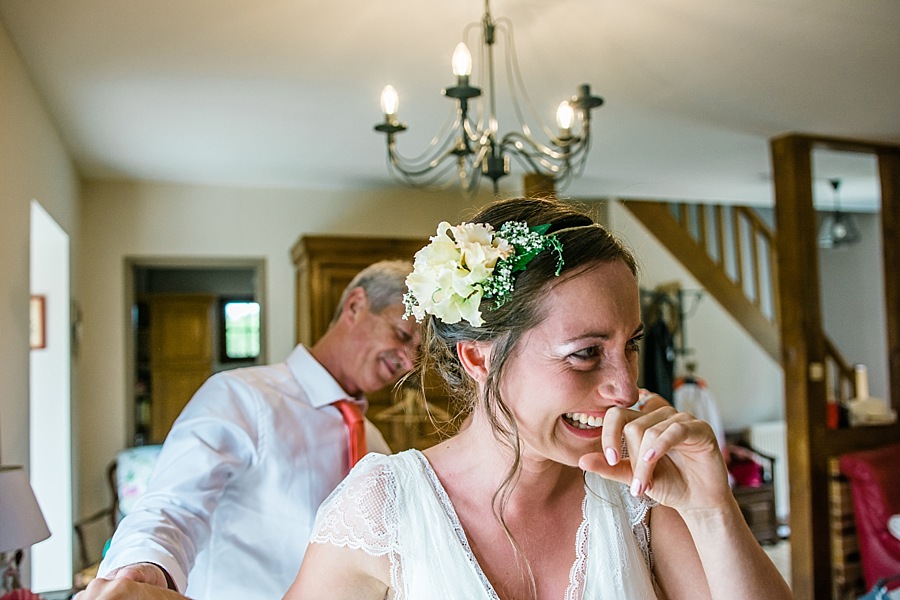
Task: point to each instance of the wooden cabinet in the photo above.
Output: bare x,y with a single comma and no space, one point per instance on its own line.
324,266
180,333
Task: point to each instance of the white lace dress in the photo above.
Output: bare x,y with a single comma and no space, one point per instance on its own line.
396,506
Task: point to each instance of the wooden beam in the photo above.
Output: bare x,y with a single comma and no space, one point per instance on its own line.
538,185
810,442
801,345
889,171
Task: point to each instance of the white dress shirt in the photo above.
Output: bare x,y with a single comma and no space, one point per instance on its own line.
232,501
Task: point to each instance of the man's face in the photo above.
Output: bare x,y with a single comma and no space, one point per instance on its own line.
384,348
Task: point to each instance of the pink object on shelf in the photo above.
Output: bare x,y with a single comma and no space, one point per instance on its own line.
20,594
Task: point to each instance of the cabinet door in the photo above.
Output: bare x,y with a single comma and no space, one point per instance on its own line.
181,355
324,267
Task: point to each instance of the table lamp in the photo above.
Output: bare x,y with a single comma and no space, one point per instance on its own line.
21,523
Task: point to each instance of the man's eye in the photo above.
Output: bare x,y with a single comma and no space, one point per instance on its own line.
634,343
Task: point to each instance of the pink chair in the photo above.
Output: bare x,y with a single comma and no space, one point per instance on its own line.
875,484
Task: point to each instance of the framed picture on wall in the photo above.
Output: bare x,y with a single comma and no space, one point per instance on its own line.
38,322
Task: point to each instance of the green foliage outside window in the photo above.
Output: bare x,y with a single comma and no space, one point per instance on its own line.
241,330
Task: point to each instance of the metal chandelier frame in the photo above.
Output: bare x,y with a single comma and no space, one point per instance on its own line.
472,143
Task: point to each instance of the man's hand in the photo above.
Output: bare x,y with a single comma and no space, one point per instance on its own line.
123,586
142,573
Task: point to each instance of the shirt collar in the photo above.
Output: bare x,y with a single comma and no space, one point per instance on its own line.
321,388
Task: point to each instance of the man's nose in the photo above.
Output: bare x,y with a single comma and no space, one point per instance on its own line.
406,354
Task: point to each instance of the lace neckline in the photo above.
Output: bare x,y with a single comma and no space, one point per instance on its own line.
577,572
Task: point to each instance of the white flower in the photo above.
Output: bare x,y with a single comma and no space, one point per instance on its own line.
456,269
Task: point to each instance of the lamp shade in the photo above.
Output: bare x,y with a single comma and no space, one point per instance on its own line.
838,230
21,521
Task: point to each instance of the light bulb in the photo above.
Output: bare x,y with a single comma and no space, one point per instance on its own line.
389,101
462,61
838,230
565,115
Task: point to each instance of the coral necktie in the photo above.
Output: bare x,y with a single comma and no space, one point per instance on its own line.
356,429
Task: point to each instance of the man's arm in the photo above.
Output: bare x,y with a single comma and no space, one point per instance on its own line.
212,440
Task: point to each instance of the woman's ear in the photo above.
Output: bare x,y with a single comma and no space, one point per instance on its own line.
475,358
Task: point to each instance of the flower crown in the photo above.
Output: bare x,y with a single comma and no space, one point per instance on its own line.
465,263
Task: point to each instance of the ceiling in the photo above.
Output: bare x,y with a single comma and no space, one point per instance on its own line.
285,93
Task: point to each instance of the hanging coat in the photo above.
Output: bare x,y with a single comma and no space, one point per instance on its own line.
659,359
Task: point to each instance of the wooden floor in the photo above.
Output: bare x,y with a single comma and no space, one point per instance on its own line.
780,554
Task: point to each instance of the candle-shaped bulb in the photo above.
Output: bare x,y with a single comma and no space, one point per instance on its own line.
862,382
565,115
462,61
389,101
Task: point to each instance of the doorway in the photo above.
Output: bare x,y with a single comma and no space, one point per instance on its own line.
177,320
50,414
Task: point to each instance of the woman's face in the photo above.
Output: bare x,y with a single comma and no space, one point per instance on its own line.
581,360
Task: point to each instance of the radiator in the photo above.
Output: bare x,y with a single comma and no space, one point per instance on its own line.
771,438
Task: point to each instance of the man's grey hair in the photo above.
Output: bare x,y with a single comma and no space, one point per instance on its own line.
383,282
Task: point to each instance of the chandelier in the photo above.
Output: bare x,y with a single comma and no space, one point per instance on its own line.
472,144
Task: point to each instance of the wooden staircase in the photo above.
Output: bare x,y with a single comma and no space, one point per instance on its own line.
732,252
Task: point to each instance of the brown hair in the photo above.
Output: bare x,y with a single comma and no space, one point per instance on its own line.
584,242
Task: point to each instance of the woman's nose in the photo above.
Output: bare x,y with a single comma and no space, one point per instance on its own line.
619,386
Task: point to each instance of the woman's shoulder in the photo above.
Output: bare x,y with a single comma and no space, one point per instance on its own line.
362,511
375,477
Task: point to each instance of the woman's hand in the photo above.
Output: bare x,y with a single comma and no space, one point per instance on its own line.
672,457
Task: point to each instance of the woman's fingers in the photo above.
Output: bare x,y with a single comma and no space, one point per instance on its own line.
674,448
655,441
620,443
596,462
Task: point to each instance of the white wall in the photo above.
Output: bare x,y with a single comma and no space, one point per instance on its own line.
853,305
161,220
747,383
33,166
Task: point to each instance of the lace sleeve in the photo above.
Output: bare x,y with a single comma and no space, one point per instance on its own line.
360,513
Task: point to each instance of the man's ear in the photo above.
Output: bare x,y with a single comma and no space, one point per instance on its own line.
475,358
354,304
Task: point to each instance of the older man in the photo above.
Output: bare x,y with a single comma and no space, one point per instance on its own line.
230,507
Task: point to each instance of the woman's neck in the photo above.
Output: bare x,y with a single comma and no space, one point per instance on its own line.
475,456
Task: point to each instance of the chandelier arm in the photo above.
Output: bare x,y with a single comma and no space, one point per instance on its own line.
417,170
536,147
436,147
517,87
419,179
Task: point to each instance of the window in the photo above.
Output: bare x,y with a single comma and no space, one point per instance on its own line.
239,318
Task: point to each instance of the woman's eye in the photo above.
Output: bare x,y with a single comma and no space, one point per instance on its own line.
587,353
